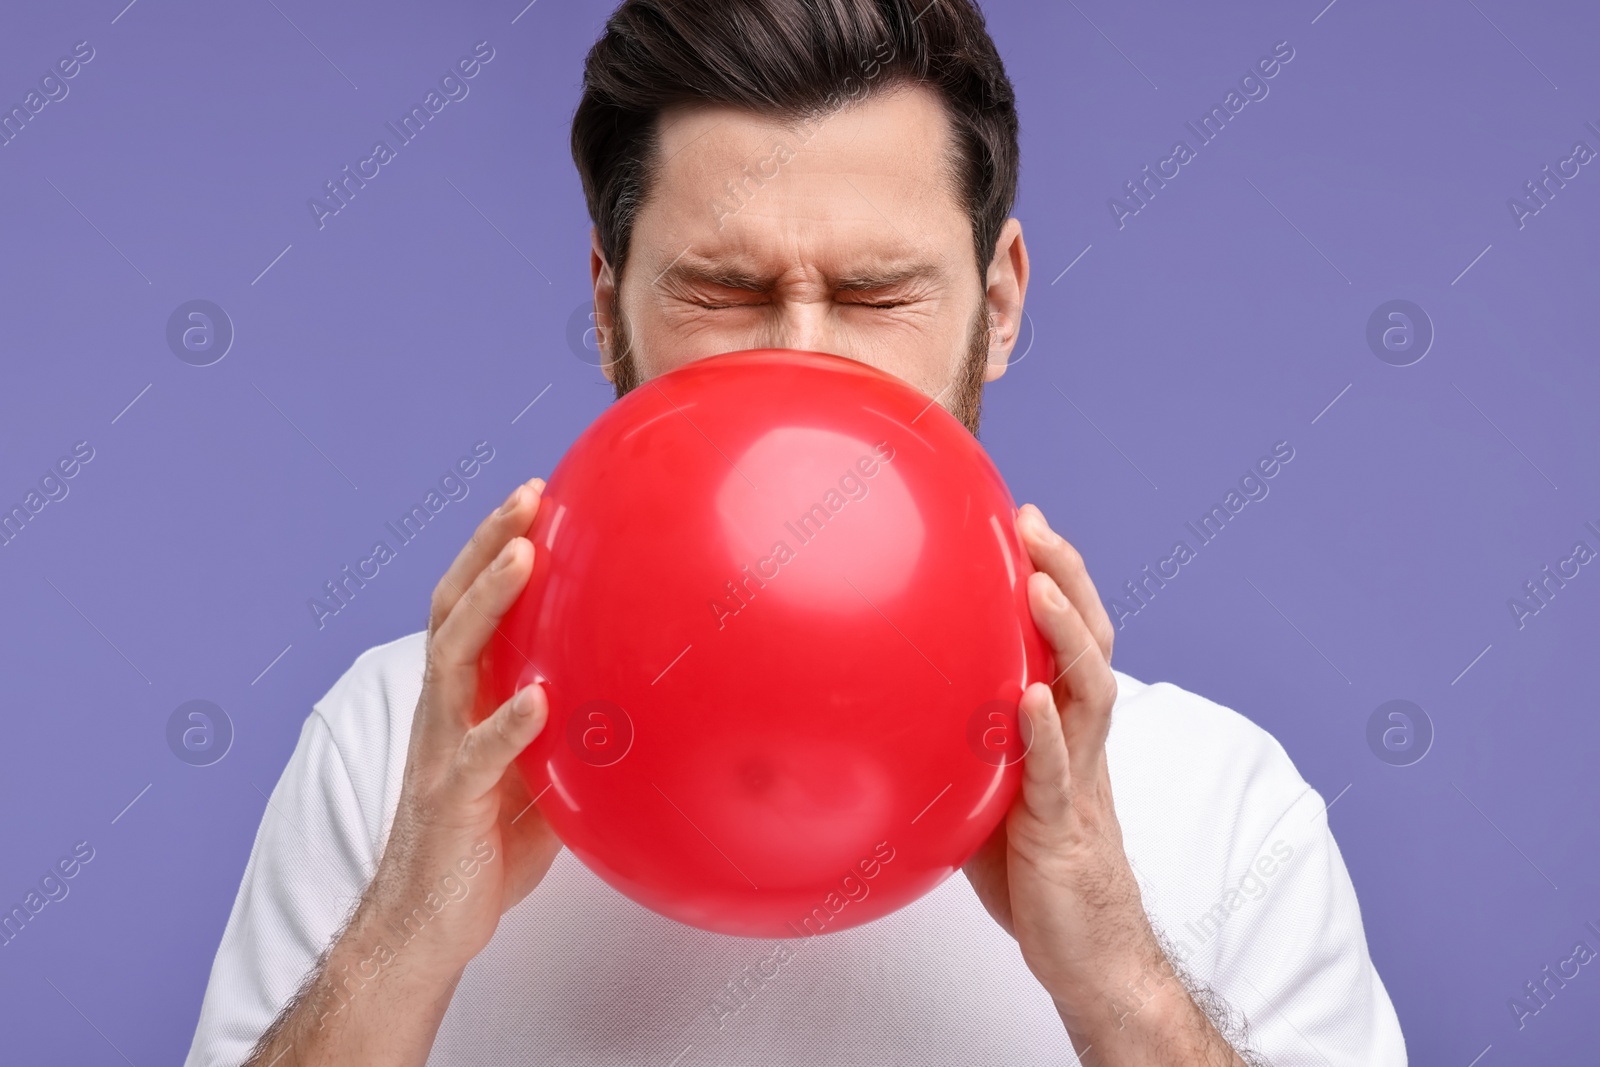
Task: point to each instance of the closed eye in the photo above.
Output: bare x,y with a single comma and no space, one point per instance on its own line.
883,300
712,304
881,305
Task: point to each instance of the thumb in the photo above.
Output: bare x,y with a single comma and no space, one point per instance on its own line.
1045,769
488,748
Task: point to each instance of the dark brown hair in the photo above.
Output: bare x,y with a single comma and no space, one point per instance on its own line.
794,60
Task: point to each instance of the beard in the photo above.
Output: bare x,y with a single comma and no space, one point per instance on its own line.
966,404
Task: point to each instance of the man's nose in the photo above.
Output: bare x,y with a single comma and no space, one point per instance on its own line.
809,325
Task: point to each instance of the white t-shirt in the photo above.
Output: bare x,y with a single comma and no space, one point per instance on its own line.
1230,845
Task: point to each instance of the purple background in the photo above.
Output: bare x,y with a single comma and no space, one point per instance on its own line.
430,311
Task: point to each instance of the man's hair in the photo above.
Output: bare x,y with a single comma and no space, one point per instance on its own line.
793,60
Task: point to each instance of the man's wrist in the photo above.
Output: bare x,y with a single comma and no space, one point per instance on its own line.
392,938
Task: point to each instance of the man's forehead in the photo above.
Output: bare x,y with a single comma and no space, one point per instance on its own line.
900,133
708,124
861,199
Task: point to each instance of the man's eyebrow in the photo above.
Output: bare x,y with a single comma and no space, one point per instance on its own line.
722,275
886,277
732,276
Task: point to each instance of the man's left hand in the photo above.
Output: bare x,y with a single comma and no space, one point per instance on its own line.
1054,874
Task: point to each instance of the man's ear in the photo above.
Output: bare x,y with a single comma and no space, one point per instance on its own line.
604,281
1005,286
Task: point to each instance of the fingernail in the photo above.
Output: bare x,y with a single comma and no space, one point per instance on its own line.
536,483
511,501
1033,521
522,703
1053,593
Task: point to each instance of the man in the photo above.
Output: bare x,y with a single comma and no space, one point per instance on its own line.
837,177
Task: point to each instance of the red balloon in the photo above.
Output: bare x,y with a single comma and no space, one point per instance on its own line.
779,608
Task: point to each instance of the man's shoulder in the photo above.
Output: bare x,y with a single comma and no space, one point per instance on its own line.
386,677
1181,758
1177,758
368,713
1156,727
1168,718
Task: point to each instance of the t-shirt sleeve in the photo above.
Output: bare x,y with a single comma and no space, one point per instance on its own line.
311,861
1299,967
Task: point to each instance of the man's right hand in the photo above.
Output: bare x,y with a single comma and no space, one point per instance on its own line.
460,790
466,843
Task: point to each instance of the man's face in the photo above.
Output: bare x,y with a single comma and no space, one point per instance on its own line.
843,234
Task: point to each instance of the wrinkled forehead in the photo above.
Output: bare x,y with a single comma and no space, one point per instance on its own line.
873,180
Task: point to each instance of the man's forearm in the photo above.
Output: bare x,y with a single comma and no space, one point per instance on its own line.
1155,1016
362,1003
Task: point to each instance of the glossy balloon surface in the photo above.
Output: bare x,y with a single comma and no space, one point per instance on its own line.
779,609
